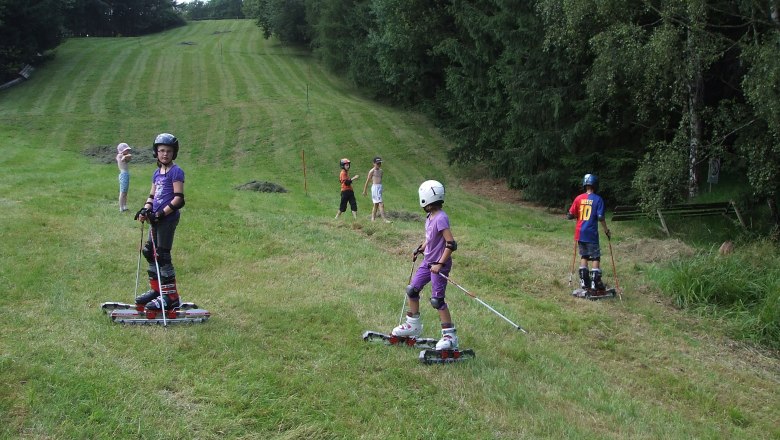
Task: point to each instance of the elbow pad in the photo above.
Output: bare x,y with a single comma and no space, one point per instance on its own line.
174,207
452,245
348,181
570,216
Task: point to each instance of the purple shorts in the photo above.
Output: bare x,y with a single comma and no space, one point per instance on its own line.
424,275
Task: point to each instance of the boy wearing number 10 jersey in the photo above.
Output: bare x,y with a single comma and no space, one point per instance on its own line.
588,208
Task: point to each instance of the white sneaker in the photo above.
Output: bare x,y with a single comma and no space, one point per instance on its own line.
448,341
411,328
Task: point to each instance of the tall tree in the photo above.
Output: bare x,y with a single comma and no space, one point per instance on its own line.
401,43
28,28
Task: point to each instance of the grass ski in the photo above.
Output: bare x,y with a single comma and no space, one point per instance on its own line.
175,316
595,295
429,357
109,307
427,343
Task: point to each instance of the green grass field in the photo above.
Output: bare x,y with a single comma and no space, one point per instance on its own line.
291,289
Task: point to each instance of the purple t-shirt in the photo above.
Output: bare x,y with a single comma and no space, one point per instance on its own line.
163,189
435,242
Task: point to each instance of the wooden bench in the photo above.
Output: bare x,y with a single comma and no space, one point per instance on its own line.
625,213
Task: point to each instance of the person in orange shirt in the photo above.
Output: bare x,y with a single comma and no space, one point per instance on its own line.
347,193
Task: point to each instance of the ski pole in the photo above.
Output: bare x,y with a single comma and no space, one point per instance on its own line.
411,272
614,271
573,261
483,303
140,249
159,280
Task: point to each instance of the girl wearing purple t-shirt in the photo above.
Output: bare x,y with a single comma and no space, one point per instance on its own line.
437,249
161,210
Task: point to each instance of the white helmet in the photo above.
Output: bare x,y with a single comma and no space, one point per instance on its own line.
430,191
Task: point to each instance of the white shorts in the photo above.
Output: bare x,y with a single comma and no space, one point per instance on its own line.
376,193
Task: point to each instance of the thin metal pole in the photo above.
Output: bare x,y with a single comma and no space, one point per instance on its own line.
573,260
140,249
614,270
403,307
303,159
159,280
483,303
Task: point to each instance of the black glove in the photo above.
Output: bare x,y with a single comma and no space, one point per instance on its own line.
141,212
153,217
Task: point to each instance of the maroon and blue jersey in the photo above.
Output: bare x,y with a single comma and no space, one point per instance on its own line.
163,189
588,209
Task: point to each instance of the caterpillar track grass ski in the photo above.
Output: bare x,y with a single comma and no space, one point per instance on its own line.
174,316
595,295
109,307
427,343
429,357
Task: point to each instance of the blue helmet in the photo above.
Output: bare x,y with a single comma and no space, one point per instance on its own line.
166,139
590,180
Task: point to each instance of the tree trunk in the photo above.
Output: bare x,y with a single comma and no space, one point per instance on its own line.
695,86
773,212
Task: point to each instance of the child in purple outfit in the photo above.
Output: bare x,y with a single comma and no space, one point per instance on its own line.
437,250
161,211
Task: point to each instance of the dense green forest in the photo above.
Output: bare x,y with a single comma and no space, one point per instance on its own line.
659,98
653,96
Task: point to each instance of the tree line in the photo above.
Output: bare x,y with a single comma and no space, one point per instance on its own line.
30,28
653,96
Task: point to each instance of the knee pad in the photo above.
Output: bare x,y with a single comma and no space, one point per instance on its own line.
438,303
148,252
594,259
413,293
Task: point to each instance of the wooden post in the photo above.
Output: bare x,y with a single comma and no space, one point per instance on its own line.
739,216
663,223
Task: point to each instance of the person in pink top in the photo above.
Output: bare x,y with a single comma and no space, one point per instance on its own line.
437,249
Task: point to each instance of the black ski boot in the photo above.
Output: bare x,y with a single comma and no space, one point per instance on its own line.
153,292
585,279
595,275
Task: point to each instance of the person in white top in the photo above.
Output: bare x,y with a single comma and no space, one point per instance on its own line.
123,156
375,177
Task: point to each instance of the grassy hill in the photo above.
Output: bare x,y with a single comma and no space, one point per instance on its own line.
291,289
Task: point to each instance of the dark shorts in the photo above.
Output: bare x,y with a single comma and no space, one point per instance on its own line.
589,251
348,196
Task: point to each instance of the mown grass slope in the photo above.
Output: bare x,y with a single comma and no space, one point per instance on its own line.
291,289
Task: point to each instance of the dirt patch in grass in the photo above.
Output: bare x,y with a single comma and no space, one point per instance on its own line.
493,189
498,191
106,154
404,216
262,186
649,250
